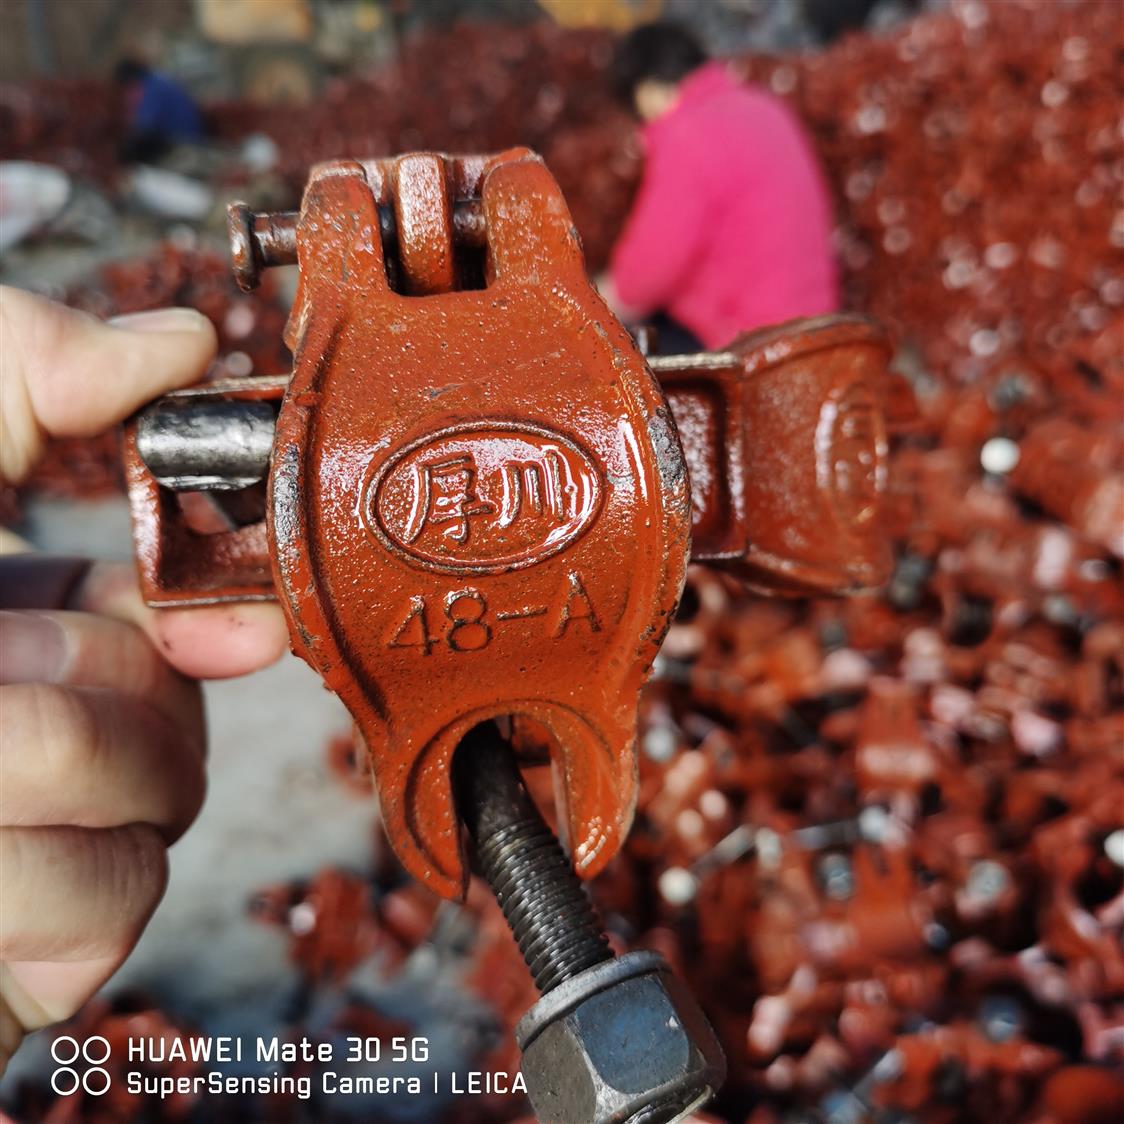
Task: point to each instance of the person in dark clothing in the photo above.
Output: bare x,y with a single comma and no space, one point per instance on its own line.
161,112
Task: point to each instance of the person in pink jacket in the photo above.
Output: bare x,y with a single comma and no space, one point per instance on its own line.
731,227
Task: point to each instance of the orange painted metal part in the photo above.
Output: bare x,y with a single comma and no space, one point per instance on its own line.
479,498
786,446
478,505
784,438
178,566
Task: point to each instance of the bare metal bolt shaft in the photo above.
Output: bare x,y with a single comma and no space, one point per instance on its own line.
542,899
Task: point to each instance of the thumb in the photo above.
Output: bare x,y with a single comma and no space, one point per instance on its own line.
64,373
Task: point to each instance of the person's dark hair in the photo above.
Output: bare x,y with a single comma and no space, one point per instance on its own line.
654,52
128,71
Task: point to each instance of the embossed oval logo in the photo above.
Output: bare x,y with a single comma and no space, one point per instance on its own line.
852,455
483,497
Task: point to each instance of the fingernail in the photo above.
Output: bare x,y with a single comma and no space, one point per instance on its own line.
162,320
33,648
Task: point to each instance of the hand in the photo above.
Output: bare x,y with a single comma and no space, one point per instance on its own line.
101,723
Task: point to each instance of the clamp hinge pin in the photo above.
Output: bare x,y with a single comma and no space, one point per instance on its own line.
259,240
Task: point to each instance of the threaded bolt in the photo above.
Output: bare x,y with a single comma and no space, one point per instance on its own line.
544,902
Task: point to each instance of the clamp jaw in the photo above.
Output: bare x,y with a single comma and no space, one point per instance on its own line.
481,499
478,507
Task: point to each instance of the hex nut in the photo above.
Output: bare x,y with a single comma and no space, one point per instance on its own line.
624,1041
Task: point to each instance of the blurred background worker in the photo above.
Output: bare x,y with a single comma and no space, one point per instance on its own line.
161,112
731,226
